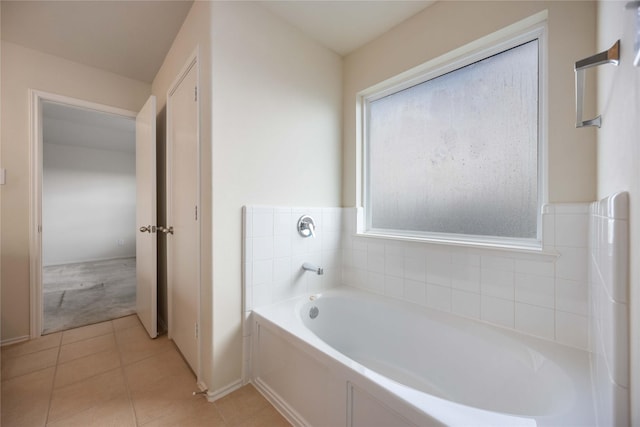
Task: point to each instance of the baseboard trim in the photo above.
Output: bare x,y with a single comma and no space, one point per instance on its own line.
281,406
212,396
14,340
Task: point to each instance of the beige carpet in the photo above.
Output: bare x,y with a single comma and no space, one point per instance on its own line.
89,292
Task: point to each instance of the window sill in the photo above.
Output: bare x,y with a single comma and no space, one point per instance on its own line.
536,249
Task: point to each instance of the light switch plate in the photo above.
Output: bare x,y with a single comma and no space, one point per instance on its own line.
3,176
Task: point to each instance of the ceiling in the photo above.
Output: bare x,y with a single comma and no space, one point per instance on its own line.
343,26
67,125
131,38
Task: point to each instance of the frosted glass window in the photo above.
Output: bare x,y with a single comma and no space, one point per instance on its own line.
458,153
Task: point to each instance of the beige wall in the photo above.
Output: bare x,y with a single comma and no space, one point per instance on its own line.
276,140
619,151
270,110
448,25
24,69
194,33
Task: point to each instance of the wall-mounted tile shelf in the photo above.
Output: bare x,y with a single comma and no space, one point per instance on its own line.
611,56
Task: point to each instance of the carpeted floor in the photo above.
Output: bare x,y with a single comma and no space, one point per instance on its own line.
90,292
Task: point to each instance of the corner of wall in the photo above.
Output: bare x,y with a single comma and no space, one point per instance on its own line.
609,308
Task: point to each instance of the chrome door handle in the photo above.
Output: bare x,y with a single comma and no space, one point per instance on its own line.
145,229
166,230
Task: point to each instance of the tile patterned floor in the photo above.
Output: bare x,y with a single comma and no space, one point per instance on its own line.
112,374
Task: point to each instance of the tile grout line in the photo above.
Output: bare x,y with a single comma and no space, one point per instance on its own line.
124,376
53,381
30,372
83,357
53,388
222,417
87,338
120,368
133,362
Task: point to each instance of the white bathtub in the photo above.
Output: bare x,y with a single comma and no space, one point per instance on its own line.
366,360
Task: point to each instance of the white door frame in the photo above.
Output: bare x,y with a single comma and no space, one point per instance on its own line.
36,98
192,61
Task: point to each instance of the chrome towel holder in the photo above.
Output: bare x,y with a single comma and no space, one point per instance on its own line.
611,56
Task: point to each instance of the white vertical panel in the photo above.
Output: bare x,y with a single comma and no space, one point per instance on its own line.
609,328
146,216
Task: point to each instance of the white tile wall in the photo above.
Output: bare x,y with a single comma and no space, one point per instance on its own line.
466,304
538,294
535,320
574,293
545,295
273,254
609,324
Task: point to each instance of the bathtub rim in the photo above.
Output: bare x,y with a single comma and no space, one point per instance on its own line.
284,318
403,402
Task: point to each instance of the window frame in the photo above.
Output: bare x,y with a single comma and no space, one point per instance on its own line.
517,34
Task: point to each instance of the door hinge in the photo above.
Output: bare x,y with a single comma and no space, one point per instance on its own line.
196,213
195,93
196,330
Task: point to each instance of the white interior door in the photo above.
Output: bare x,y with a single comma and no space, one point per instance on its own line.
146,214
183,245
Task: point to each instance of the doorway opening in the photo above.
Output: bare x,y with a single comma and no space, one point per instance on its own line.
88,216
83,213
